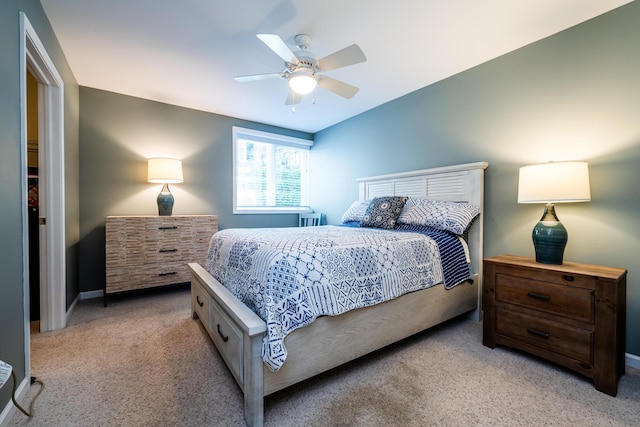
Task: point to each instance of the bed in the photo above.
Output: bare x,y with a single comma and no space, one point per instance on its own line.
331,340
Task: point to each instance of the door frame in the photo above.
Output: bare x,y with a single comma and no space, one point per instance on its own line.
51,182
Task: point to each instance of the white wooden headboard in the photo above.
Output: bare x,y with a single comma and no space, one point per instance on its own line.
457,183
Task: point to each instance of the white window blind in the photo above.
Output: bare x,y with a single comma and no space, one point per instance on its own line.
270,172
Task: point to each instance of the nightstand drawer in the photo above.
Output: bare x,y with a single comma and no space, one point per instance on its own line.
551,276
559,338
567,301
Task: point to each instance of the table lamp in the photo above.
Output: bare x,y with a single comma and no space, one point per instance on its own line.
164,171
549,183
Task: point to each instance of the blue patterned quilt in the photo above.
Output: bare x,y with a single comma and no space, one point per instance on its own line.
290,276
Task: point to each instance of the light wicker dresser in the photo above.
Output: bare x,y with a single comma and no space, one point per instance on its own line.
149,251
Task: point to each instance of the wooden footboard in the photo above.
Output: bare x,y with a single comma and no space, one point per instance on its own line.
237,333
328,342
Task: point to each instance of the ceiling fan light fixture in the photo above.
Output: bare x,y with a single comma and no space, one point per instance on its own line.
300,68
302,82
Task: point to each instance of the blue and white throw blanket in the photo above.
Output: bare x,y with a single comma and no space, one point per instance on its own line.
290,276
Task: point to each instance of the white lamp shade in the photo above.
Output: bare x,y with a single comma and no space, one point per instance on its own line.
554,182
302,82
163,170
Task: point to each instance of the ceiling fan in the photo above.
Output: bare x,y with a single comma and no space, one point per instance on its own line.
302,69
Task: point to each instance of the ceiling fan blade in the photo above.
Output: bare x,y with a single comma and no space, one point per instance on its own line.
343,89
348,56
276,44
293,98
254,77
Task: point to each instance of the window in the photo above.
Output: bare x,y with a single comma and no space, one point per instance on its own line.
269,172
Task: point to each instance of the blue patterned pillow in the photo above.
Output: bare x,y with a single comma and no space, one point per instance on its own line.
383,212
356,211
448,216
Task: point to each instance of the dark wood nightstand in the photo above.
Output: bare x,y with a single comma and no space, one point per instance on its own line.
571,314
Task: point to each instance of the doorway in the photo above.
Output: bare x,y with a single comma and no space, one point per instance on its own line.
51,184
33,202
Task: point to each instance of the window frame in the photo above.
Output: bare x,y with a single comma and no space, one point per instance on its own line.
269,138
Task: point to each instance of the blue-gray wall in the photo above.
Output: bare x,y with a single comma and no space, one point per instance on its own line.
575,95
12,314
119,133
571,96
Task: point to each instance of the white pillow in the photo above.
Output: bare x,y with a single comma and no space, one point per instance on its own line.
448,216
356,211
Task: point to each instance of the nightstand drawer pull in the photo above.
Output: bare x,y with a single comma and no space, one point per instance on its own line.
168,250
169,273
224,338
168,227
568,278
539,296
200,303
538,333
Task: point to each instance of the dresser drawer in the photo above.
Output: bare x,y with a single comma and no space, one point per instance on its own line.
167,239
146,276
228,340
559,338
562,300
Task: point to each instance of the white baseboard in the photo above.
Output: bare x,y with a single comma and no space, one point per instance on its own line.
91,294
10,409
72,309
632,360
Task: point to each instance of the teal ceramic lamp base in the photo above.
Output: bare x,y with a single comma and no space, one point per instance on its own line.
165,201
549,237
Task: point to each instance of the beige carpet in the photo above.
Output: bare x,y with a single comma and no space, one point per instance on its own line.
143,361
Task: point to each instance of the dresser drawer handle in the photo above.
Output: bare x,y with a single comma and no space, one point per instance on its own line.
224,338
168,227
168,250
538,333
200,303
169,273
568,278
539,296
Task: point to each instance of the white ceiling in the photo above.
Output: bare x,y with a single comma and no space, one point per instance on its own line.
186,52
